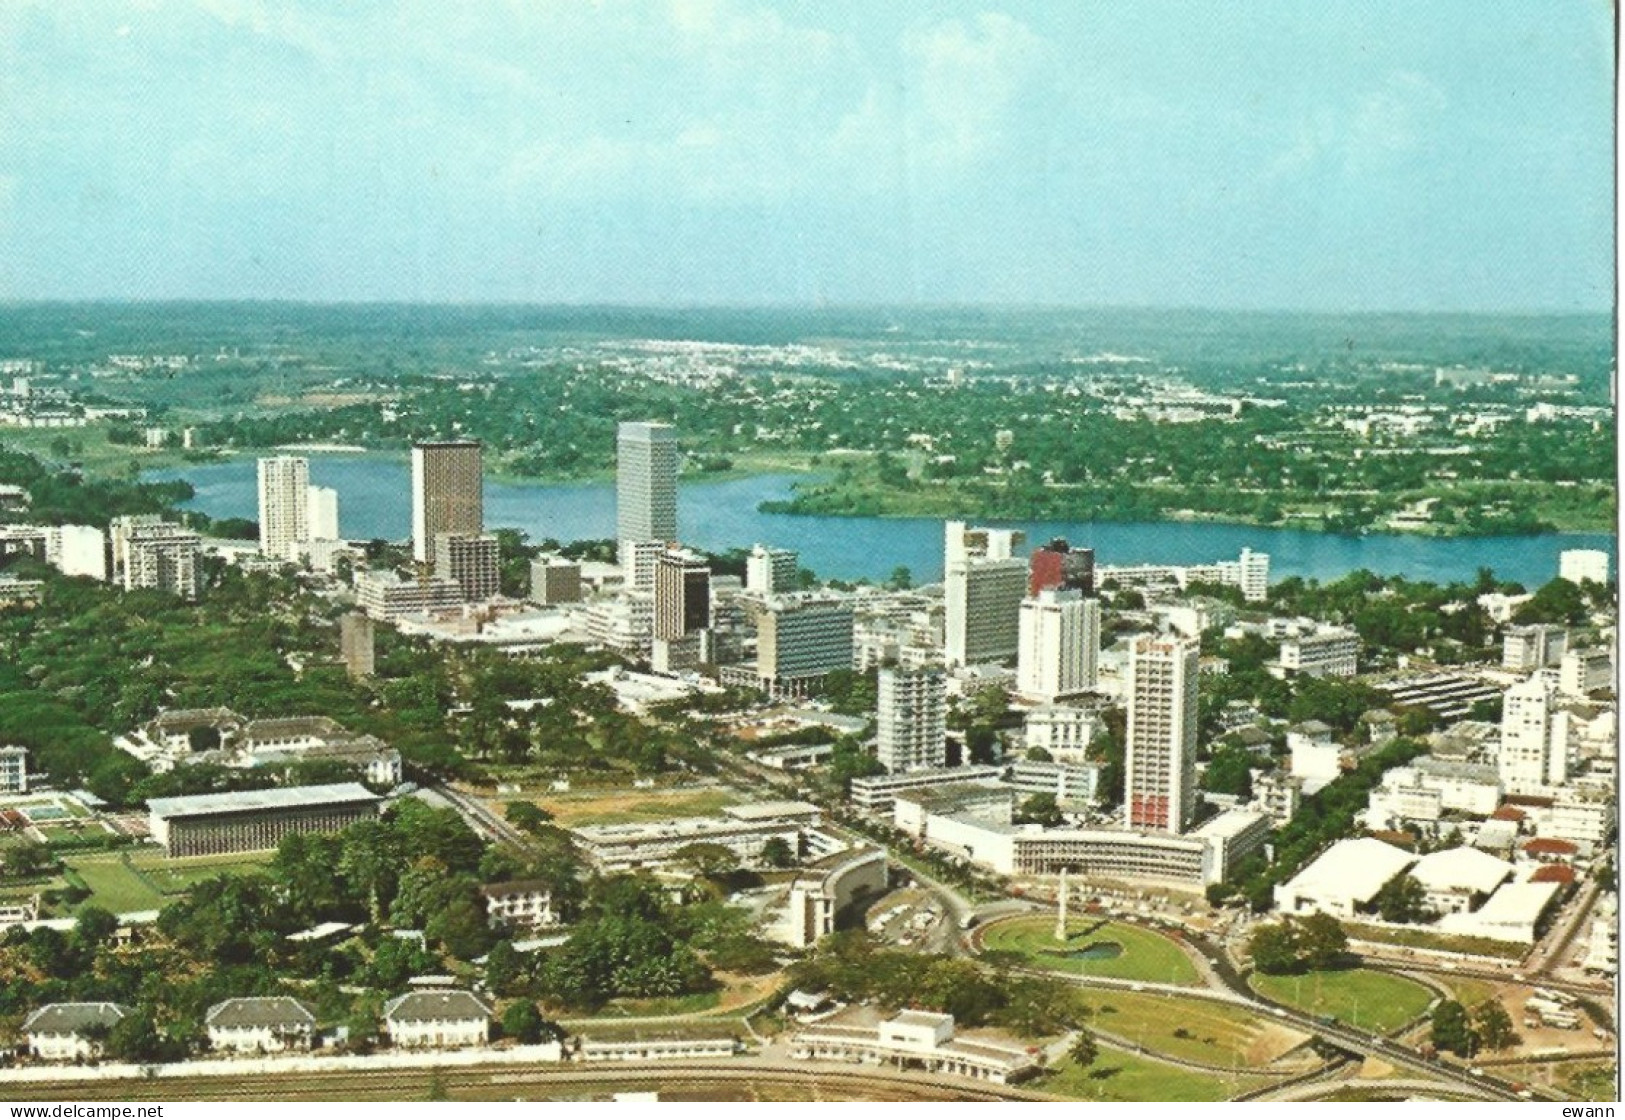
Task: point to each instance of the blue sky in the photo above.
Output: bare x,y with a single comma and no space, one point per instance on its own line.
1338,156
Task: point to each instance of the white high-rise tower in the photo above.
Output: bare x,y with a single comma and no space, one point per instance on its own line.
1535,738
646,483
1160,762
1060,644
284,482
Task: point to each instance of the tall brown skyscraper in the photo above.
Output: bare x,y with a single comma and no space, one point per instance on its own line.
448,493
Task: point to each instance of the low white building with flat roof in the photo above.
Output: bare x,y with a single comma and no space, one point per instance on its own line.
1344,880
913,1040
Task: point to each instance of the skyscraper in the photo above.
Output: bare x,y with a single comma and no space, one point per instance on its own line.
1060,644
911,720
1160,762
284,484
983,586
646,483
682,595
448,493
358,641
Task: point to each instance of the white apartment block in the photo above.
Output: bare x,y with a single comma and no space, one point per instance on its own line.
322,514
1059,634
284,505
13,770
1535,752
1329,652
911,720
77,550
154,555
1577,565
1583,671
1160,761
520,904
624,623
769,571
1527,648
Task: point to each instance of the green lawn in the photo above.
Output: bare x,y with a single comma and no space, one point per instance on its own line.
1120,1076
1196,1030
690,1004
1145,955
149,881
1362,997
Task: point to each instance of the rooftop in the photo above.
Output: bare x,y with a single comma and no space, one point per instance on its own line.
436,1005
69,1018
261,1011
292,797
1356,869
1456,868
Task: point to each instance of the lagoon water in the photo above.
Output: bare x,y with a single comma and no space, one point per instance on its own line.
375,502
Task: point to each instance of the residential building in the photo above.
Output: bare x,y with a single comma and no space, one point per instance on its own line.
448,493
769,571
1579,565
284,505
1584,671
555,581
911,720
1527,648
1331,651
261,1024
1316,759
1059,632
1535,752
519,904
646,464
13,770
385,596
358,643
71,1032
473,561
255,820
153,554
438,1019
323,513
1160,759
77,550
1073,785
1058,564
682,595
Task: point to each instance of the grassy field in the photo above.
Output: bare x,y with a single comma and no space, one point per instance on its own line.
126,881
1194,1030
1120,1076
1427,939
1145,956
1362,997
